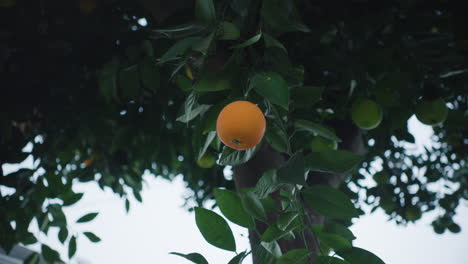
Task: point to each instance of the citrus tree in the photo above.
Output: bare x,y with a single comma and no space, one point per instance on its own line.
303,100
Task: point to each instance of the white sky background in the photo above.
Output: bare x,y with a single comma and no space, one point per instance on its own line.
159,225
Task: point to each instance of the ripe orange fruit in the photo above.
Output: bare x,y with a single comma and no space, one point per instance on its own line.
88,162
241,125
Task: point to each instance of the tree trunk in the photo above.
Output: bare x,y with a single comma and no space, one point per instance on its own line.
246,176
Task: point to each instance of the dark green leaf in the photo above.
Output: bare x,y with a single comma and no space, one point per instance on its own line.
330,260
273,248
49,254
149,73
266,184
329,202
273,233
214,229
253,206
192,109
238,258
212,84
32,259
316,129
306,96
127,205
228,31
130,82
72,247
241,7
209,138
293,171
137,195
107,80
87,218
334,161
277,137
205,11
271,42
92,237
271,86
357,255
230,205
71,198
248,42
63,234
334,241
295,256
235,157
285,219
194,257
180,47
339,229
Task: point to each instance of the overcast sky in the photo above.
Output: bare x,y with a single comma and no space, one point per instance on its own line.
159,225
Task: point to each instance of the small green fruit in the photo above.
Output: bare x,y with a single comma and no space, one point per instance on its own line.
366,114
206,161
320,144
431,112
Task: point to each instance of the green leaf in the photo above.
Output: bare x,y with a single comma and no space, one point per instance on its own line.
230,205
285,219
71,247
149,73
330,260
334,241
295,256
205,11
209,138
63,234
92,237
32,259
339,229
329,202
253,206
248,42
266,184
192,109
228,31
282,16
107,80
316,129
273,248
137,195
273,233
293,171
271,42
130,82
277,137
357,255
233,157
238,259
49,254
334,161
271,86
212,83
306,96
180,47
127,205
214,229
194,257
87,218
71,198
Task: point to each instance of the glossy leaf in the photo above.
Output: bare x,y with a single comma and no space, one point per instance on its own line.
334,241
266,184
235,157
273,248
180,47
248,42
285,219
334,161
87,218
357,255
238,259
71,247
329,202
339,229
293,171
228,31
295,256
230,205
205,11
209,138
214,229
316,129
271,86
92,237
193,257
271,42
330,260
253,206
